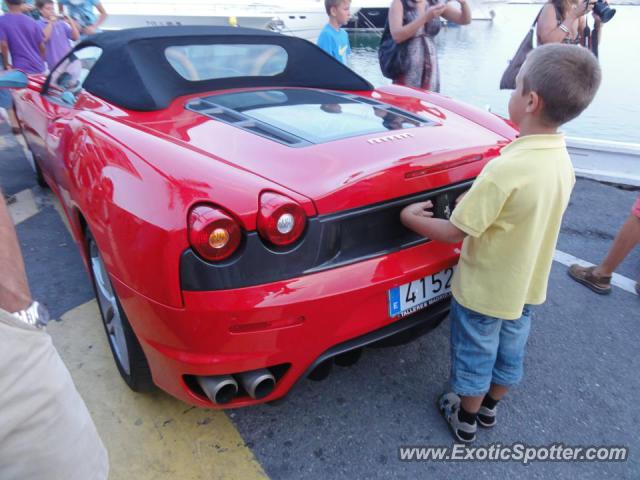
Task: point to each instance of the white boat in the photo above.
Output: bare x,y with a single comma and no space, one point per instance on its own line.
300,18
303,19
369,15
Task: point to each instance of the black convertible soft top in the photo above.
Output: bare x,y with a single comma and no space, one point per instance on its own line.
134,73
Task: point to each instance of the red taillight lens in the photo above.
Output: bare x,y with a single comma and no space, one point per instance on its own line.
214,234
281,220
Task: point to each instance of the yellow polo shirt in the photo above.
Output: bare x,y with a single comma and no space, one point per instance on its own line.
512,216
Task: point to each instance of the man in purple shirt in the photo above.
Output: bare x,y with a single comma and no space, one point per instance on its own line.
57,34
23,38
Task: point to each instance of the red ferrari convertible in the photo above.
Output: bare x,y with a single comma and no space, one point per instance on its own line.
235,195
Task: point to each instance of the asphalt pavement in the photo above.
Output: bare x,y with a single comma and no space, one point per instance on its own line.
581,384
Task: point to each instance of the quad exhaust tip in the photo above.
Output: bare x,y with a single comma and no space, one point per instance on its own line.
221,389
257,383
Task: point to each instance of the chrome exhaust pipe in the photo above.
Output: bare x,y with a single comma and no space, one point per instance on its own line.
220,389
257,383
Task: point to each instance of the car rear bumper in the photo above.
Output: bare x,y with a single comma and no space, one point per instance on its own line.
296,323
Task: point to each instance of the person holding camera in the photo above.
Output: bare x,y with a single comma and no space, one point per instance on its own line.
57,34
565,21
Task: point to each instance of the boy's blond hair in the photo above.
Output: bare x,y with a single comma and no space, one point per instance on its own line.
565,77
329,4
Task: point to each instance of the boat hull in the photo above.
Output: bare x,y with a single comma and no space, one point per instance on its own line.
368,18
304,21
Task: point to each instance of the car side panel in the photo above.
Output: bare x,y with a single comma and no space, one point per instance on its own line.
34,115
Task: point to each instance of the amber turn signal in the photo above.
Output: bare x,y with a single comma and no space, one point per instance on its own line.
213,233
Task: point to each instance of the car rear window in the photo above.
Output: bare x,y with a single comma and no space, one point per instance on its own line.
208,62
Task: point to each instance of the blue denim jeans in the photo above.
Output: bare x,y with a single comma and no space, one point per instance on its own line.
486,350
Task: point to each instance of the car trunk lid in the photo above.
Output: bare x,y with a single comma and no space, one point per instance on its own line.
341,150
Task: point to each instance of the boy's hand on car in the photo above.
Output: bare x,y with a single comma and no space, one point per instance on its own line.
419,209
419,218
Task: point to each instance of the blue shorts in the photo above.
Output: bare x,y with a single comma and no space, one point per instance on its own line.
486,350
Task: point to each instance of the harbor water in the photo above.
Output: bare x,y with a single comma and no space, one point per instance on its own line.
473,57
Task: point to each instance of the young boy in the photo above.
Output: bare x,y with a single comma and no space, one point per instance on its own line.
333,39
57,35
82,12
21,36
509,221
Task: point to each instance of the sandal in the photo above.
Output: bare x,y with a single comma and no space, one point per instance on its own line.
449,405
487,416
585,276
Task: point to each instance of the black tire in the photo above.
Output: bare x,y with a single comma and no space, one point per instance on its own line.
39,177
132,363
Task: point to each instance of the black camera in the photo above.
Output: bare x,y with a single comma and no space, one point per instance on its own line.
603,10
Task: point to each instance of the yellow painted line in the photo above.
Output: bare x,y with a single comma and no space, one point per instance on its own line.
151,435
24,207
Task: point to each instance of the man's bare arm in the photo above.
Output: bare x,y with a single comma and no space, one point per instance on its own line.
4,51
14,288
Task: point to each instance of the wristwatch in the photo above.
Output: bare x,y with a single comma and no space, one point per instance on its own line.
35,314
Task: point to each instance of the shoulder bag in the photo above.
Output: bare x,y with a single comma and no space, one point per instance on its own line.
508,80
392,55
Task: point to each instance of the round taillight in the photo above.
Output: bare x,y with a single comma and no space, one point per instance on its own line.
213,233
281,220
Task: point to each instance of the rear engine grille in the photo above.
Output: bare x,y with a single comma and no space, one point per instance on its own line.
330,241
